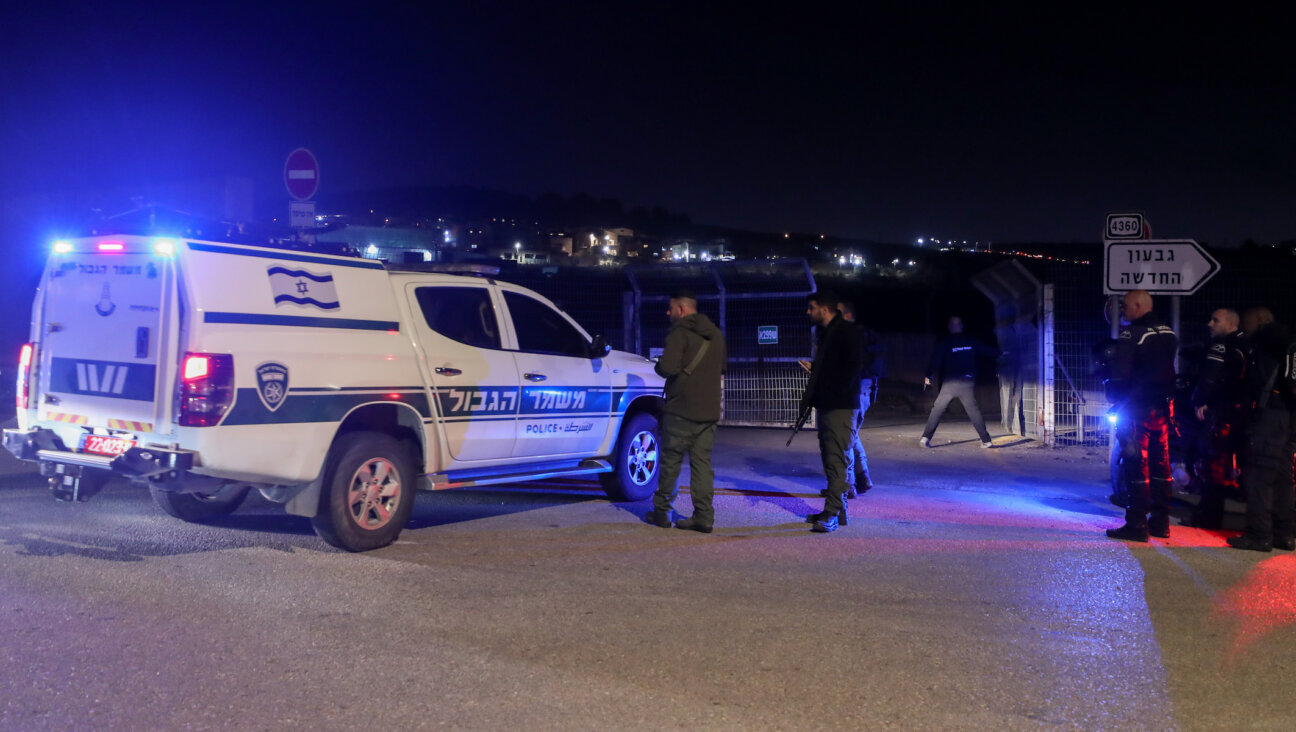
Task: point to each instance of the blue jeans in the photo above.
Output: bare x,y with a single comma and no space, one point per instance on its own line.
857,472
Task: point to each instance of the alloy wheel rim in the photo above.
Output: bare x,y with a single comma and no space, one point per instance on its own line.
642,458
373,494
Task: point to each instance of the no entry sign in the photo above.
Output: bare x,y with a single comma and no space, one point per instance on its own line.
301,174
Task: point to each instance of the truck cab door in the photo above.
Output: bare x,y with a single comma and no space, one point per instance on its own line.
566,395
475,381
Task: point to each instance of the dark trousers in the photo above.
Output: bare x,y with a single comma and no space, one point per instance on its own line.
678,437
835,429
1220,479
1267,476
962,390
1146,462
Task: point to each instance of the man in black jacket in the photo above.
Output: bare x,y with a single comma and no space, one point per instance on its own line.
1217,401
833,390
692,361
1269,444
1141,387
954,362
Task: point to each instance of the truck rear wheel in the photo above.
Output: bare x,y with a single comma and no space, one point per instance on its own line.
199,507
368,492
635,462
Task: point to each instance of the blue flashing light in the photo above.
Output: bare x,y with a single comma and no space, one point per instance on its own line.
62,247
164,247
1113,417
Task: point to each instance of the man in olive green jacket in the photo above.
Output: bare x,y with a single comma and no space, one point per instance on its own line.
692,361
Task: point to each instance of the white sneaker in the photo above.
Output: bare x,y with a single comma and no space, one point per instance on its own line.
988,443
925,442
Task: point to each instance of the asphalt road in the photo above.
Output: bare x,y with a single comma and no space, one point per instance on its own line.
972,589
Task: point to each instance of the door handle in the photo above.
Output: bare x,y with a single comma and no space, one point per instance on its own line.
447,371
534,377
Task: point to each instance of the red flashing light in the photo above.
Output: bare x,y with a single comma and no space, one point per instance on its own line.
196,367
111,246
206,389
394,397
21,396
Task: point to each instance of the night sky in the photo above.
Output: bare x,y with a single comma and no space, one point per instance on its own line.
949,122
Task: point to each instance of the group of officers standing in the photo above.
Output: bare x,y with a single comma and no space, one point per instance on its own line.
1245,402
1246,397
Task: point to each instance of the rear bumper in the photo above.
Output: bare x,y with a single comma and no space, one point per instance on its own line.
138,463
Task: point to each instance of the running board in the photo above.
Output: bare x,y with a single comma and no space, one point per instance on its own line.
587,467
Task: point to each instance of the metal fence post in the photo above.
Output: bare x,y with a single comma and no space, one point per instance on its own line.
1048,428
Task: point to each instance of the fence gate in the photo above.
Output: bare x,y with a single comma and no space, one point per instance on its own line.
761,308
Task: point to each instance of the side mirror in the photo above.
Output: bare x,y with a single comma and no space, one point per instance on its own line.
598,348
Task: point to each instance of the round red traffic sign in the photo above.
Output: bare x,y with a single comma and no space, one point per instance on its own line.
301,174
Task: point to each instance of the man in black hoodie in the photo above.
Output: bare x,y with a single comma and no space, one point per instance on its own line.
833,390
1269,446
1141,387
692,361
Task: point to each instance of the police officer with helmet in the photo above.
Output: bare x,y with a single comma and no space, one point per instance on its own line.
1142,387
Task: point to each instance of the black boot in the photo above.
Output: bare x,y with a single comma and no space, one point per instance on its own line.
825,526
1251,543
841,516
1129,532
692,524
660,519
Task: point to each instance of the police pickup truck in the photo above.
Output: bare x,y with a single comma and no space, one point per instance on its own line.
333,385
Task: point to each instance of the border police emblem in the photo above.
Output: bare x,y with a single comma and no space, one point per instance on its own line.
272,384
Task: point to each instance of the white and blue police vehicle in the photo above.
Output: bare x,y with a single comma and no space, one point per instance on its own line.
334,385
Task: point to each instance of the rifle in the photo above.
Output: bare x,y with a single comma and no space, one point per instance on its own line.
801,420
805,413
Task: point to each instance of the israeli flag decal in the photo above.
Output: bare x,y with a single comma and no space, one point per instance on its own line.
303,287
272,384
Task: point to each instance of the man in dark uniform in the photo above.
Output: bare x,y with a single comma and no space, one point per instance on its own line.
833,390
954,362
1269,447
692,361
871,370
1142,386
1217,400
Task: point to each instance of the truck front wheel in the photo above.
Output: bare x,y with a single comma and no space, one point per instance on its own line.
368,492
635,462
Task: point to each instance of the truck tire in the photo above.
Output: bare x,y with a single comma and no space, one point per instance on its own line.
635,463
368,492
199,507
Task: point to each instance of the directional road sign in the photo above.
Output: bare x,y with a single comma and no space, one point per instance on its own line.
301,174
1160,266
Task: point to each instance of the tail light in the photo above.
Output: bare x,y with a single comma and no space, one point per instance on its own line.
22,394
206,388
